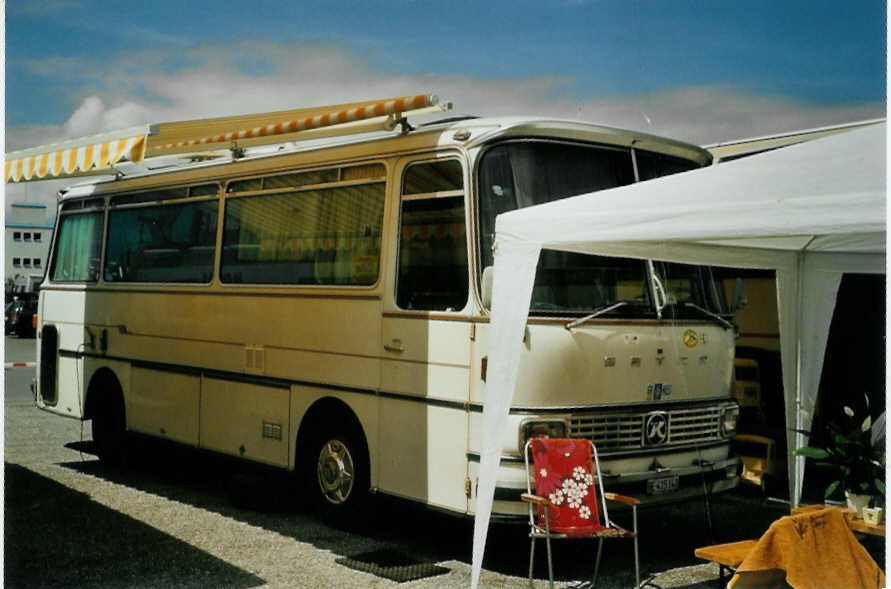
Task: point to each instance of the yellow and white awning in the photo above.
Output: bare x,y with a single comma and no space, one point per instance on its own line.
92,155
78,156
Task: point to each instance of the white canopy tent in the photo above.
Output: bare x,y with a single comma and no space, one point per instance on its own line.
811,212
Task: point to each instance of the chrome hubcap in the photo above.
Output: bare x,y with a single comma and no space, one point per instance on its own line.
336,472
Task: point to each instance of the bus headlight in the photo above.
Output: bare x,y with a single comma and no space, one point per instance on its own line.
535,428
729,418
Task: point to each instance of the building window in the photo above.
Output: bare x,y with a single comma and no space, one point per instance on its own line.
37,237
37,262
26,262
16,262
17,235
27,236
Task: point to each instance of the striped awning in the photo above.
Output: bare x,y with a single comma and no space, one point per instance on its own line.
92,155
77,156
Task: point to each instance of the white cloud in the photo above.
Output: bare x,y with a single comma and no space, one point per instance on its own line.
710,114
86,120
92,117
216,81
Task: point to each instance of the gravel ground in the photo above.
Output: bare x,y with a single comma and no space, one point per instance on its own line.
183,519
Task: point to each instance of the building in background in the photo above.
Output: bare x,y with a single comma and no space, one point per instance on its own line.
28,236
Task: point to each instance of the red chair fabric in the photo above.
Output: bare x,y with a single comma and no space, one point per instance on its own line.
564,474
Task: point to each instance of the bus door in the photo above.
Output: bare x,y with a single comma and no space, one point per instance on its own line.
426,338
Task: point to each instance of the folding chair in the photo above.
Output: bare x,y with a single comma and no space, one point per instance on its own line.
565,502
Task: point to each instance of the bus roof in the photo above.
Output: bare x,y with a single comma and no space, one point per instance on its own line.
418,133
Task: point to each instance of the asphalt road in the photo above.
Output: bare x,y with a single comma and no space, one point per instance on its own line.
177,518
17,381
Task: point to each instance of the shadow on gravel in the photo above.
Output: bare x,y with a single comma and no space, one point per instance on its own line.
271,500
56,537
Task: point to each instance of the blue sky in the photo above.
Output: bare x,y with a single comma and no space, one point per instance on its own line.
701,71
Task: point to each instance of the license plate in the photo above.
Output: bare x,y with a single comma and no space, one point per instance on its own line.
662,486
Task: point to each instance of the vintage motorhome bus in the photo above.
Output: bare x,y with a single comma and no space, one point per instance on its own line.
321,307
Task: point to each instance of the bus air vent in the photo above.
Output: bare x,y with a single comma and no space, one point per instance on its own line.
49,357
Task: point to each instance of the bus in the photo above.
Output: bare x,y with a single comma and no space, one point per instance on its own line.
322,307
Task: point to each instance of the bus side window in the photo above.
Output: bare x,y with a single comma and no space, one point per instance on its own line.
432,246
78,247
162,243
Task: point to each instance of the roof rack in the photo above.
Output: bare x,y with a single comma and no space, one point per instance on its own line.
98,154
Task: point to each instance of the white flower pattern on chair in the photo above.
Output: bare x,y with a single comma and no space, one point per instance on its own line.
556,497
573,490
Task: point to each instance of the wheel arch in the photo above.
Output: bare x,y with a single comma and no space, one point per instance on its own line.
103,382
324,411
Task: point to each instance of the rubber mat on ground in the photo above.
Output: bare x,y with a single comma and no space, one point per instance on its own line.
391,565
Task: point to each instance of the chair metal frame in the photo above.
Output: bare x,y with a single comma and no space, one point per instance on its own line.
611,529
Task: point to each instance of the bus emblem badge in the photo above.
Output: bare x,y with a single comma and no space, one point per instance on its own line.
656,428
690,338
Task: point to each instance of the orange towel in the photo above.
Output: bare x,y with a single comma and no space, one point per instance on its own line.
816,550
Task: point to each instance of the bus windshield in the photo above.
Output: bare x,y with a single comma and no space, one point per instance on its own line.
690,289
519,174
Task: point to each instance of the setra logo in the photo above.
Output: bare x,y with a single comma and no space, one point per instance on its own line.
656,428
690,338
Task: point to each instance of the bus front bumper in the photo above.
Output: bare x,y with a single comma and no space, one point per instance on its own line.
693,481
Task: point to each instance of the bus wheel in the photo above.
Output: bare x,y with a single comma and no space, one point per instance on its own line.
340,476
110,431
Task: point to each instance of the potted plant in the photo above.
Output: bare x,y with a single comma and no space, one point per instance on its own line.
850,454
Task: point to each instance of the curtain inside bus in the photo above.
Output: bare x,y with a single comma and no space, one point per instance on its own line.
78,251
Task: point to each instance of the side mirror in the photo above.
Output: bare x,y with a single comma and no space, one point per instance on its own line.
486,283
739,299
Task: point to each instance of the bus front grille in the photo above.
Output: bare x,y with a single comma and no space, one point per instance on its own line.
624,431
608,432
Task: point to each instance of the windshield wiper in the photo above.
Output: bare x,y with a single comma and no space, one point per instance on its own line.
599,312
711,314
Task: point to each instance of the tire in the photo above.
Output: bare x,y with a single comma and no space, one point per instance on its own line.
110,431
337,471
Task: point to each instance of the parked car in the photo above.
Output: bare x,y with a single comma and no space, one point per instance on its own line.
7,325
19,316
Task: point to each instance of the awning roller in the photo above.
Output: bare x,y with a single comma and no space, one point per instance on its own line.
324,118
